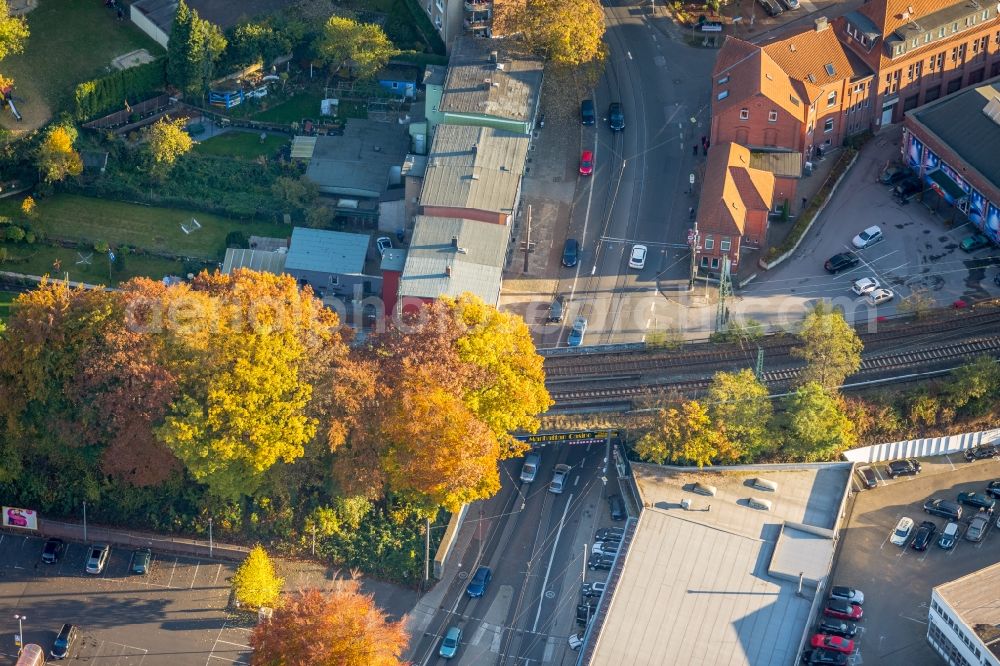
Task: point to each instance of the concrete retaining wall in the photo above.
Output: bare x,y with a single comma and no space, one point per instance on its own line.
920,448
448,541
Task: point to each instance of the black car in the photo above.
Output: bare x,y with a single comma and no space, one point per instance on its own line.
978,501
608,533
907,188
943,508
583,614
771,7
587,114
599,561
993,488
824,657
983,452
907,467
835,627
571,253
924,536
64,641
556,311
894,175
616,117
842,261
868,477
617,507
53,550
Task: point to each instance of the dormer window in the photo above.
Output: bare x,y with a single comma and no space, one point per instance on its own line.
898,50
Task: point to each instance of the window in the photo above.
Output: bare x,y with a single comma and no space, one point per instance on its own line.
941,32
898,50
704,262
715,262
723,94
918,67
709,242
828,126
334,280
809,130
724,80
744,114
986,15
831,99
724,244
913,44
864,40
772,116
829,69
927,38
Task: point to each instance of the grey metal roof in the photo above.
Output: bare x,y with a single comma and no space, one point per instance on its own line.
159,12
474,167
476,264
267,243
358,163
393,260
507,89
414,165
958,120
434,75
325,251
709,585
257,260
974,598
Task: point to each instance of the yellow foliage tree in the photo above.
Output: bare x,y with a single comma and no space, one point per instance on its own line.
567,32
56,156
28,206
684,436
255,582
167,142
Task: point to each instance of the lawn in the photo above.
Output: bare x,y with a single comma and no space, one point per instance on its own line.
40,259
118,223
5,300
297,107
246,145
71,41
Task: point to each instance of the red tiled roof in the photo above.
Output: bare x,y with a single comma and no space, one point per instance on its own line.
756,74
809,52
731,187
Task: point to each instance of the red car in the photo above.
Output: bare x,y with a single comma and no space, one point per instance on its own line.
586,163
842,609
835,643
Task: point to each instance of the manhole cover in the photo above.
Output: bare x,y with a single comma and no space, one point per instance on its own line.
463,574
550,594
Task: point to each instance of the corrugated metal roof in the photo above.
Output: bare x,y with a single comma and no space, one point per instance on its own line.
256,260
303,147
476,264
476,85
327,251
474,167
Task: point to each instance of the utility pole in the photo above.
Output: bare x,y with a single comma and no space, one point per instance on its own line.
427,553
526,245
725,290
693,241
85,521
759,369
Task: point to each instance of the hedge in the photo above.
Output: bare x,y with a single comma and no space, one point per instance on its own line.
112,92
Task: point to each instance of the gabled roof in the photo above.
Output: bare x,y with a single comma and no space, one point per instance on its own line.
733,51
889,14
817,58
731,188
323,251
756,73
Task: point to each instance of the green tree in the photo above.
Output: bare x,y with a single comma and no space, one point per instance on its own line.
740,408
167,141
56,156
973,386
830,347
361,47
179,69
255,583
816,426
682,436
256,42
13,32
567,32
194,48
296,192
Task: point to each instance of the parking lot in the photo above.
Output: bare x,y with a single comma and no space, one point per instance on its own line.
174,614
897,581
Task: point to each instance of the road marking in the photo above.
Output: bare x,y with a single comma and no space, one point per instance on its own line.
195,576
232,643
629,54
548,569
912,619
172,573
217,574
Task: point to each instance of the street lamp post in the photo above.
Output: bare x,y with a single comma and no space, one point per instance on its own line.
85,521
20,631
210,542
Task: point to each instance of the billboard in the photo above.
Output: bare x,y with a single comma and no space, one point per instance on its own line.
578,437
26,519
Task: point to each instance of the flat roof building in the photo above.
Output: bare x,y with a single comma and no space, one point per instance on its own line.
964,624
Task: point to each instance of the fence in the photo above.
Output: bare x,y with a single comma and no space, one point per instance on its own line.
920,448
145,110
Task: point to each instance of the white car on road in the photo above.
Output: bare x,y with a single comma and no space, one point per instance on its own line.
559,474
902,531
864,286
638,257
880,296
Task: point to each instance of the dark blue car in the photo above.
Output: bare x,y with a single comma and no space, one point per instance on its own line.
479,583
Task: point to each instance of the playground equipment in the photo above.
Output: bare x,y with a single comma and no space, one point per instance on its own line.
193,226
7,97
227,99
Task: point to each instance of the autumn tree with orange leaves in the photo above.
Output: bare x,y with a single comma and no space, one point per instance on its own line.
338,628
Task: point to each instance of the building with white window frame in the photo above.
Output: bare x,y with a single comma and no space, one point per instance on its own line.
964,619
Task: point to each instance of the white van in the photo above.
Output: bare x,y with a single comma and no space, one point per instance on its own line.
761,483
762,504
530,467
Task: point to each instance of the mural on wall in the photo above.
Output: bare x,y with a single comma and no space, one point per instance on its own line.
913,152
931,161
992,226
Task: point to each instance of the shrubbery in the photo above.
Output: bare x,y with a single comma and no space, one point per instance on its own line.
110,93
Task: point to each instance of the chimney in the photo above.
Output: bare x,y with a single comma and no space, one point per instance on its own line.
454,242
822,23
447,270
475,148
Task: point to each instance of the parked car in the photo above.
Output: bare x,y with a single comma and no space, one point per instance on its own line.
977,527
829,625
842,609
576,640
974,242
587,113
847,594
894,174
902,531
64,641
868,237
617,507
529,469
879,296
832,643
924,536
841,261
771,7
53,550
141,559
606,533
949,536
598,561
97,558
557,311
638,257
993,488
587,163
791,4
944,508
383,243
982,452
479,582
584,613
906,188
571,252
824,658
905,467
978,501
593,589
616,117
559,474
864,286
606,547
868,476
575,338
449,646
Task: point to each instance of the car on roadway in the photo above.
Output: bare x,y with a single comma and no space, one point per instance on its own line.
924,535
868,477
97,558
64,641
844,610
894,174
579,330
587,163
847,594
53,550
982,452
141,560
868,237
571,252
977,501
557,311
383,243
479,582
977,527
993,488
791,4
530,467
865,285
594,589
974,242
943,508
949,536
880,296
606,533
617,507
559,475
829,625
905,467
575,640
449,646
824,658
616,117
638,257
841,261
832,643
901,532
587,114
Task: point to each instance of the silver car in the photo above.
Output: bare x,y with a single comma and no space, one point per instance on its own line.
977,527
559,475
97,558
